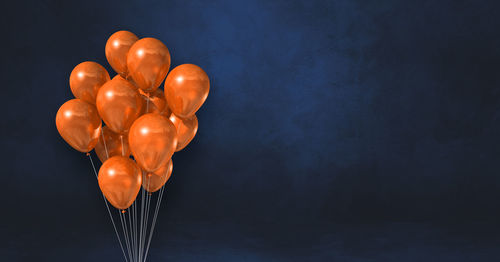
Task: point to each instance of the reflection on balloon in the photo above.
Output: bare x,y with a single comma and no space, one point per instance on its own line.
156,104
117,48
86,79
110,144
148,61
120,180
186,130
186,89
140,119
152,182
79,124
119,104
152,140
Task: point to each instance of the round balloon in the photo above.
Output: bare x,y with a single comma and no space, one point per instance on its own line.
152,182
119,104
86,79
186,89
79,124
148,61
186,130
120,180
153,140
117,48
111,144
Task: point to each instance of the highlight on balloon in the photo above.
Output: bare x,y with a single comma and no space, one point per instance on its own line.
143,127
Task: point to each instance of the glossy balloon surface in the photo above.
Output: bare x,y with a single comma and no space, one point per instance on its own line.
120,180
156,104
119,104
152,182
79,124
148,61
152,140
117,48
186,89
86,79
110,144
186,130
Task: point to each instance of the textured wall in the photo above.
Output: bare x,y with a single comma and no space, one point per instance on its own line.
334,130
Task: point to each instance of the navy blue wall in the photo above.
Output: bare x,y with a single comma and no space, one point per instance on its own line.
334,130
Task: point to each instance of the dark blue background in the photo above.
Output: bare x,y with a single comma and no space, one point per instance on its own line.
334,131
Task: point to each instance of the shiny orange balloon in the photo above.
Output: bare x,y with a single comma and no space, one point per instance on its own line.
166,111
148,61
79,124
86,79
117,48
152,139
156,103
186,89
119,104
120,180
186,130
119,77
152,182
110,144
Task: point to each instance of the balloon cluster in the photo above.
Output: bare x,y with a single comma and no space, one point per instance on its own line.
140,118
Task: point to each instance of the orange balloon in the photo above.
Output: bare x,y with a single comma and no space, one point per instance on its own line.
148,61
186,130
156,104
117,48
86,79
120,180
152,139
166,111
186,89
152,182
79,124
130,80
119,104
110,144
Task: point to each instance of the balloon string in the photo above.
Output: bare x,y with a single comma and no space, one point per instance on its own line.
109,212
146,215
153,225
147,210
158,202
147,104
125,234
143,222
123,149
135,229
131,233
132,242
142,218
104,141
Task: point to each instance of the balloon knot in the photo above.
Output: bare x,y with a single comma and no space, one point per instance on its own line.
123,211
87,154
150,193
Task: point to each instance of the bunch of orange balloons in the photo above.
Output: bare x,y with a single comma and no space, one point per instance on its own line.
140,119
